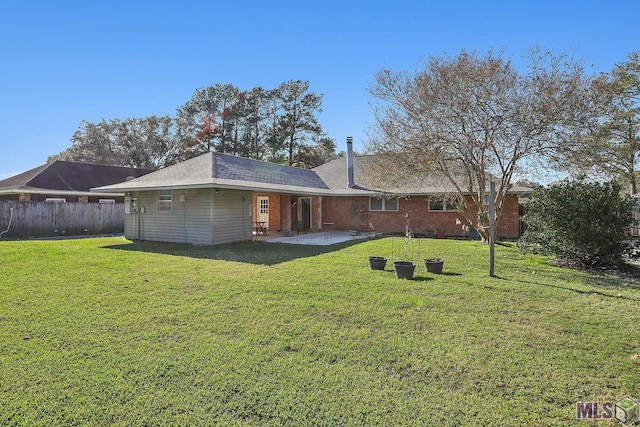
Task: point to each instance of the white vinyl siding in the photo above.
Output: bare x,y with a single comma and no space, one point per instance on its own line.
232,220
198,216
188,222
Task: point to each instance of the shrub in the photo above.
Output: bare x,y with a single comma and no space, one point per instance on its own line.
587,223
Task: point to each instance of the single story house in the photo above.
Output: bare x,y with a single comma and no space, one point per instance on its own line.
63,181
218,198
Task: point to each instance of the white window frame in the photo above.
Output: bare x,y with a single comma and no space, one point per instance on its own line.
165,200
107,201
56,200
384,204
447,205
264,206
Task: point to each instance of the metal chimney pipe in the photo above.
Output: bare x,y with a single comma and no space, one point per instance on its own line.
350,181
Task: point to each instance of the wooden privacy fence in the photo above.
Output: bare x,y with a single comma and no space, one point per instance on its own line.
44,219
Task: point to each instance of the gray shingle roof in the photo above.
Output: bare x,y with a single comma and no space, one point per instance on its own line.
387,180
217,170
334,173
242,169
226,171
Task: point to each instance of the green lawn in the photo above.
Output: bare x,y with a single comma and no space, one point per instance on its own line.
110,332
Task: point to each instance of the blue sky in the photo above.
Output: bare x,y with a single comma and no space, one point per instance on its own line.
68,61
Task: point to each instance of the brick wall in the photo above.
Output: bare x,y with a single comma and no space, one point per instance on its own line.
274,209
509,224
283,211
274,212
354,213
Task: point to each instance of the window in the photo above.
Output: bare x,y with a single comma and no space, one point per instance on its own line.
165,201
391,204
439,204
56,199
107,201
383,204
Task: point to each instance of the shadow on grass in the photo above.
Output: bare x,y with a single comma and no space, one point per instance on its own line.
579,291
413,279
627,276
261,253
419,279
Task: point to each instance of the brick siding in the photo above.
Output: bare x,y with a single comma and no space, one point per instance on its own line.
354,213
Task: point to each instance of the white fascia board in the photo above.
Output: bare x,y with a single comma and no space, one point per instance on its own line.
221,184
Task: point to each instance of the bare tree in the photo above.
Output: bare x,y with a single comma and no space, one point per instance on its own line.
471,119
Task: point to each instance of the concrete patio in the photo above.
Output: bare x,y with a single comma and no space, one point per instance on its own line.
321,238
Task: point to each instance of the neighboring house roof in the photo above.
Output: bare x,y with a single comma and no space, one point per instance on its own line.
217,170
68,178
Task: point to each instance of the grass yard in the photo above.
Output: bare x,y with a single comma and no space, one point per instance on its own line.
110,332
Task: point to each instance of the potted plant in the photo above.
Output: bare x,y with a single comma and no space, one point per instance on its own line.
434,265
377,262
404,269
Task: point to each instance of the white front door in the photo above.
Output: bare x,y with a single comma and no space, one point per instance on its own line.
262,215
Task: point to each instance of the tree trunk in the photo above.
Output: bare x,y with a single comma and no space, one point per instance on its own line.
291,141
632,175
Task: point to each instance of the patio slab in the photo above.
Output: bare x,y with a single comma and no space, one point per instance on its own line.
322,238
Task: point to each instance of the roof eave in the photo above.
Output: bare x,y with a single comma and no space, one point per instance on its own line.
268,188
218,183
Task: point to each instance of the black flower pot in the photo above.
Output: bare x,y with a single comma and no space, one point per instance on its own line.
377,262
404,269
434,265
